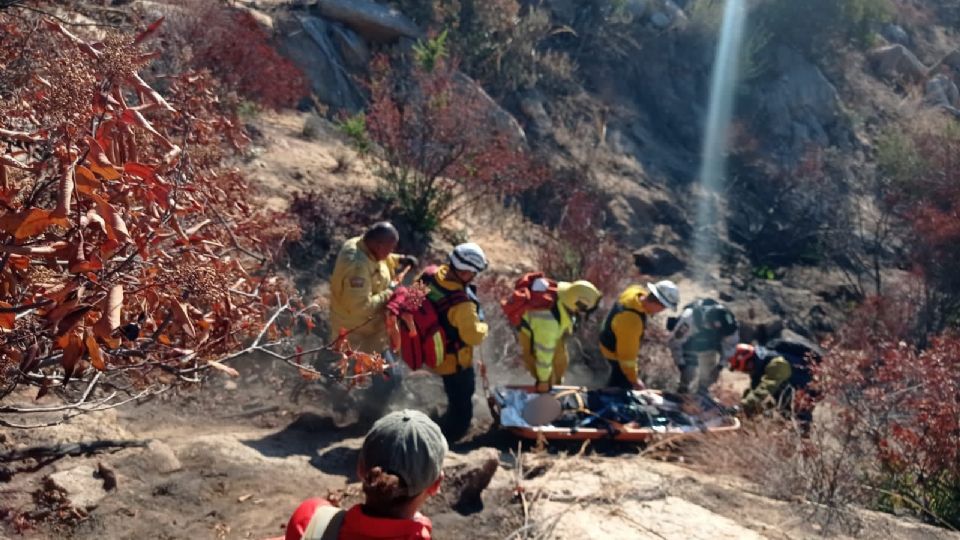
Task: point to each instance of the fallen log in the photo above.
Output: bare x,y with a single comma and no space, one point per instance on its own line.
69,449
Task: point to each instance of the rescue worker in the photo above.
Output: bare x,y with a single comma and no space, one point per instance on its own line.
705,332
775,379
464,327
363,279
400,466
622,331
543,332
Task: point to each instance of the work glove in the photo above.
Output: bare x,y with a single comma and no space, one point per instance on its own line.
408,261
543,387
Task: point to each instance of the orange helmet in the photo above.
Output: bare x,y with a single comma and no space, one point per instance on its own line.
743,357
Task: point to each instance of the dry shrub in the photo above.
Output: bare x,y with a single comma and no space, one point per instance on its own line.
444,149
326,220
129,244
230,43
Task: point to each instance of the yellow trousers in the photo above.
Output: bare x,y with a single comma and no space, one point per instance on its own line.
560,359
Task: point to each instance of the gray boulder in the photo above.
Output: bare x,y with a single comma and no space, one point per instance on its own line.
894,33
353,49
306,41
801,106
373,21
500,121
658,260
952,59
897,62
942,92
660,20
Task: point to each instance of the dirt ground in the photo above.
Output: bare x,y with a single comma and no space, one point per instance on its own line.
234,460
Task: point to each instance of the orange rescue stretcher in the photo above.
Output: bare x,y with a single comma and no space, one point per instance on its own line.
576,413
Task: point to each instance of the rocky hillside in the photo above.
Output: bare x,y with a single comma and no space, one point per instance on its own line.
615,97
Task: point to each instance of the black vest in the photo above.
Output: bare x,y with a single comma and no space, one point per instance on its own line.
607,336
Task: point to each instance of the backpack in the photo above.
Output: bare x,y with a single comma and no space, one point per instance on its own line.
524,299
422,334
325,524
707,308
801,354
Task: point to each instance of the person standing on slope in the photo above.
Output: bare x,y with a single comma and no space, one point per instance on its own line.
364,276
464,328
542,332
622,332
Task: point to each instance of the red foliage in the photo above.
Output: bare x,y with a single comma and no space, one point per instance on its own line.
580,247
930,201
126,242
232,45
442,143
905,400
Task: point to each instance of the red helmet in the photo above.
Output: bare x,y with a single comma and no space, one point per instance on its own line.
743,357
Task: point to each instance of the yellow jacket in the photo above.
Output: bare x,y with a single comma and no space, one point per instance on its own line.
546,329
464,317
766,385
623,330
359,289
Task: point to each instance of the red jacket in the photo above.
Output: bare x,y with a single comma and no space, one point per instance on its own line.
359,526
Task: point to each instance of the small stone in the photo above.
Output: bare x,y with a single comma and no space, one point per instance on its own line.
162,457
230,385
81,486
660,20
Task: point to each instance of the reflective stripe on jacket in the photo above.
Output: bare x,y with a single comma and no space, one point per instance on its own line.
546,329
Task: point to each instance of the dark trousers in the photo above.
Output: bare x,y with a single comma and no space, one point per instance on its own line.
617,378
459,388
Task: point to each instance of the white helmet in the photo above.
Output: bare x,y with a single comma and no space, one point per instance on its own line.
666,292
468,258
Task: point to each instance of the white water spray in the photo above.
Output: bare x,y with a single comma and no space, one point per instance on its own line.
719,115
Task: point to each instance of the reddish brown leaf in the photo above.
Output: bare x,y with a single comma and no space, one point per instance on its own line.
86,182
142,171
81,267
35,222
64,194
112,306
99,162
59,311
74,318
93,349
149,31
180,312
164,339
7,319
71,356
